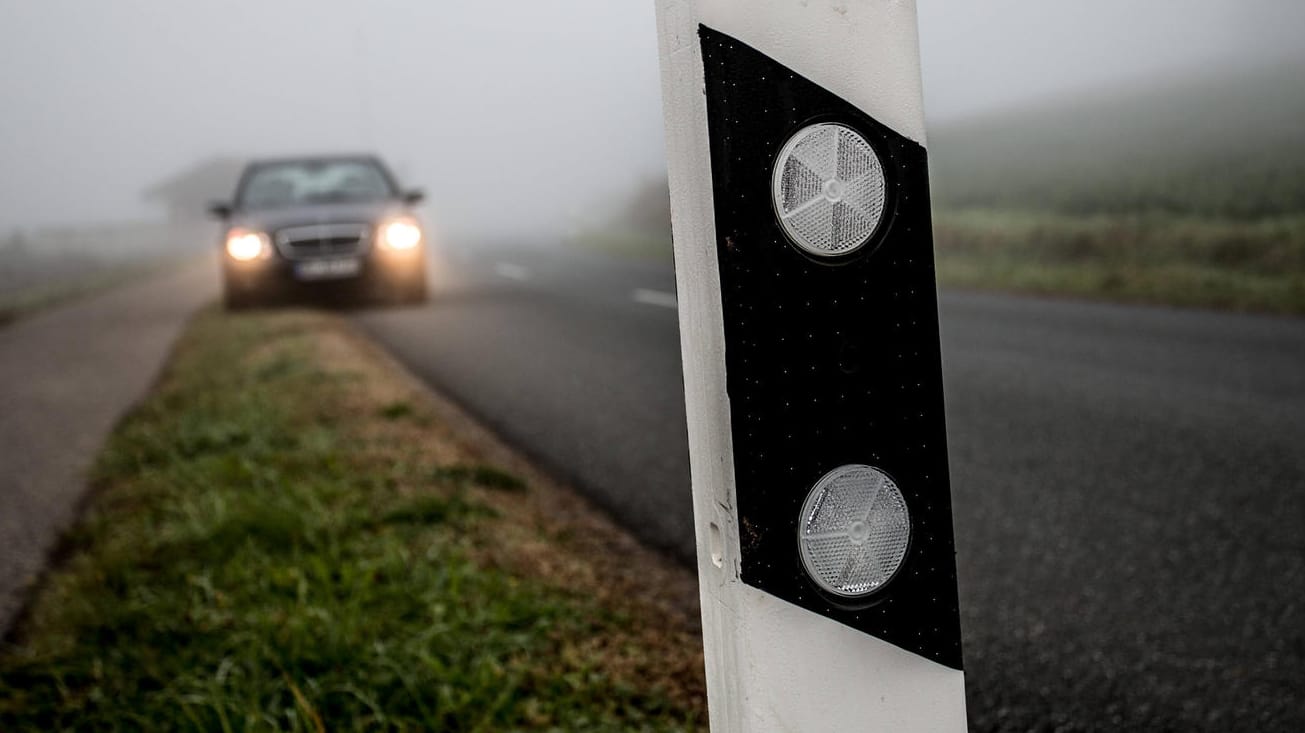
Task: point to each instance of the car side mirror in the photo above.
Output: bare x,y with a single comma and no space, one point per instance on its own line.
414,196
220,210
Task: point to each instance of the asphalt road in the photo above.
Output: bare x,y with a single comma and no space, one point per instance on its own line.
67,374
1129,483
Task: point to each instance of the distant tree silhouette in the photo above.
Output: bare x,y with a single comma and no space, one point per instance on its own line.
187,193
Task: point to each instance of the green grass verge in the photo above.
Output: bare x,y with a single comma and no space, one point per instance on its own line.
264,552
1185,261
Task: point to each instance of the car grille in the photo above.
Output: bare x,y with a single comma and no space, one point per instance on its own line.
323,240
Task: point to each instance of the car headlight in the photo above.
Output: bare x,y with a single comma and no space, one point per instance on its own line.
400,233
244,245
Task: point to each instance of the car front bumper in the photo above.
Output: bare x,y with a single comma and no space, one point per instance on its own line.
377,272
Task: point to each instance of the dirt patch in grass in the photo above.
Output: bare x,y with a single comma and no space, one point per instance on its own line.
291,532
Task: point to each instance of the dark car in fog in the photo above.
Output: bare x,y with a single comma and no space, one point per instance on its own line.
333,224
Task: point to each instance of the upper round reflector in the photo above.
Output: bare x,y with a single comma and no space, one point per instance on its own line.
828,188
854,531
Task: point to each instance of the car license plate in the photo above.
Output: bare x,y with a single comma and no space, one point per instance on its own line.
329,269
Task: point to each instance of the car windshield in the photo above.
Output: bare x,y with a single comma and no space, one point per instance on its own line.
308,182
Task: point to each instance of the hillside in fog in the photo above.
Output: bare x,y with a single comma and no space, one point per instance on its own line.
1221,145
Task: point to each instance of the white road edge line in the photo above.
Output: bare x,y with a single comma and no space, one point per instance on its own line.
511,271
654,297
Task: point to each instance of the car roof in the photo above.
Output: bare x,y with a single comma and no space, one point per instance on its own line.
257,163
282,160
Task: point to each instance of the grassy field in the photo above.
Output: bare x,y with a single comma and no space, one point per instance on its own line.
290,535
1163,259
627,243
45,267
21,302
1189,194
1256,265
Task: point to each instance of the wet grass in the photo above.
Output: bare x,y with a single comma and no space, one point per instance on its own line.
1156,258
258,556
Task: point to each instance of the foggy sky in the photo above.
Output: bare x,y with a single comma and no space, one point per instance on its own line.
515,116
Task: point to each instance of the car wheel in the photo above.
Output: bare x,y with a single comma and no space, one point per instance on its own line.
236,299
414,291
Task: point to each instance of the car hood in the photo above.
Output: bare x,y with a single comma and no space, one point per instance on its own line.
270,220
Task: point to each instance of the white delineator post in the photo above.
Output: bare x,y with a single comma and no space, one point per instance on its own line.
772,664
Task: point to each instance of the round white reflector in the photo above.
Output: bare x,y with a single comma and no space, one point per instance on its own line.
828,187
853,531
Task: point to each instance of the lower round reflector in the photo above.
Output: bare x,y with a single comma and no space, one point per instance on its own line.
854,531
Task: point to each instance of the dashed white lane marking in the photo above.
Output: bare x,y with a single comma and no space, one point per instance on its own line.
511,271
654,297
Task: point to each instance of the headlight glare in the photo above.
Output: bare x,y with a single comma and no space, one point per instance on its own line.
244,245
402,233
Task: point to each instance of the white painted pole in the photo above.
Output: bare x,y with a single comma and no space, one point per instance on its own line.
772,664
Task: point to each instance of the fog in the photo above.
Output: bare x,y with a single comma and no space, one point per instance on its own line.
518,118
